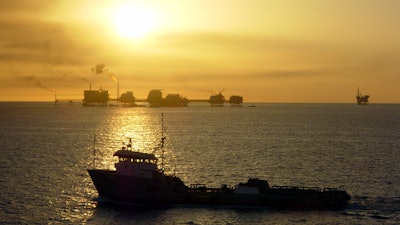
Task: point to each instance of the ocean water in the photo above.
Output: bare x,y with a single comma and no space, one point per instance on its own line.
46,149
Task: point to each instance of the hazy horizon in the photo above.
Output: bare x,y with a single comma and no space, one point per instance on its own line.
266,51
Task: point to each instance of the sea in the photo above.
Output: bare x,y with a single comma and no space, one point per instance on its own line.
46,149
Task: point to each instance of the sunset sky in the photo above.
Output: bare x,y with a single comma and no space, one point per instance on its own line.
264,50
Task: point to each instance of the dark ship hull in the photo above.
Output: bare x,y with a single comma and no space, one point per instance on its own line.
133,189
164,189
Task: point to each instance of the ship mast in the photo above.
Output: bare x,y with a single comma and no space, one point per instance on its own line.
162,142
94,151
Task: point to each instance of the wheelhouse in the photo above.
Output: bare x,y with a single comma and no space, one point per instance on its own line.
133,163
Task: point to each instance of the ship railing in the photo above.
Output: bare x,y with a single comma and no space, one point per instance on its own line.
203,188
330,189
196,186
297,188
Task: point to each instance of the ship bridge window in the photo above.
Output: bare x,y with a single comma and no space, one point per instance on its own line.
138,160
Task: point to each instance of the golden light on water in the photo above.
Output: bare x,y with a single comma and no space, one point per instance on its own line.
139,126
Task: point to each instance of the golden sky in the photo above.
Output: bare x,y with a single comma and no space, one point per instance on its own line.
264,50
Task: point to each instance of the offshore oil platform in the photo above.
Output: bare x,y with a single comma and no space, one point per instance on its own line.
218,100
95,97
155,98
361,99
101,98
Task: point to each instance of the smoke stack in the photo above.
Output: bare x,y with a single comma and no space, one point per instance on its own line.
90,86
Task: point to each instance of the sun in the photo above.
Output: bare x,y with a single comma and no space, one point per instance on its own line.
134,22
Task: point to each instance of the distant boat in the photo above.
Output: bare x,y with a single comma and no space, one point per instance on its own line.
361,99
138,179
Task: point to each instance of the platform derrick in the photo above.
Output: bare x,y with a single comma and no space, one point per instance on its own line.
217,100
361,99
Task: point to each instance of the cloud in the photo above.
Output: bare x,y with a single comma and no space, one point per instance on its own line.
25,7
33,41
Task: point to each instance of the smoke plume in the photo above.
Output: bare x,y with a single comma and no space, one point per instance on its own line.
37,82
101,69
84,79
112,77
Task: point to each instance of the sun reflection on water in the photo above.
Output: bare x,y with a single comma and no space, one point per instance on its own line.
142,127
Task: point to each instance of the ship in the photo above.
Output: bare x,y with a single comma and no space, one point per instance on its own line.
138,178
361,99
